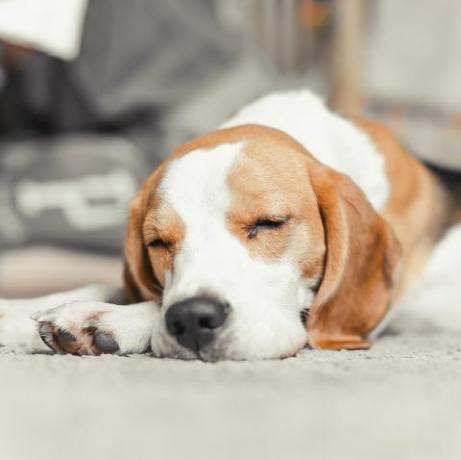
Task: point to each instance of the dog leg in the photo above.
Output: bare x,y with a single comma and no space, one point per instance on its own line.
18,331
94,328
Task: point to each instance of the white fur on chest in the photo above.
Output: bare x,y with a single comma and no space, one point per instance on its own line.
332,139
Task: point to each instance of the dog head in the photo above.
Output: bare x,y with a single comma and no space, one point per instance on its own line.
253,248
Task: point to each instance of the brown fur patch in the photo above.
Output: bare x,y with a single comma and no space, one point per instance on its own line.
270,181
416,209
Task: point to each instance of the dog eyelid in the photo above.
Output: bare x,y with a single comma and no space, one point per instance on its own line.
266,223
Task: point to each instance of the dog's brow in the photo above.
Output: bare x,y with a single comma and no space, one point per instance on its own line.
153,225
270,202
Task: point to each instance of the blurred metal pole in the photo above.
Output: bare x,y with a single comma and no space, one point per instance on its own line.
289,35
275,28
347,56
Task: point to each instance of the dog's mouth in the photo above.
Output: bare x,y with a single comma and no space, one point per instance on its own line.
166,345
207,355
224,348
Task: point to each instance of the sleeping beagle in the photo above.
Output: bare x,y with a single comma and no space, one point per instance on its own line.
289,226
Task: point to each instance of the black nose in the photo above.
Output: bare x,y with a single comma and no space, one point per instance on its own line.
193,322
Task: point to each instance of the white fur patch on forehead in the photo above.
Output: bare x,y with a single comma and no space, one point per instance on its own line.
332,139
198,180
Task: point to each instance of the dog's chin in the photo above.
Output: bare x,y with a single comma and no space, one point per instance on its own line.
167,348
225,351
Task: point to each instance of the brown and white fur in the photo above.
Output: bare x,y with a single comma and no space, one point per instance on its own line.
308,226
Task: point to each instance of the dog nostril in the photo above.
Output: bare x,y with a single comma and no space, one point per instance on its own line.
206,323
177,328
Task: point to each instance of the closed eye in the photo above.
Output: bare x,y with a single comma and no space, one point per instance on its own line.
266,224
159,243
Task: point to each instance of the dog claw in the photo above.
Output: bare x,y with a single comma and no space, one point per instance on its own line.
46,332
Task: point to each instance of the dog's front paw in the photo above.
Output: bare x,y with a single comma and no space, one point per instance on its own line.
93,328
76,328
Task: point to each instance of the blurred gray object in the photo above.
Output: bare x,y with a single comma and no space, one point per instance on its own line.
413,52
137,61
68,190
412,74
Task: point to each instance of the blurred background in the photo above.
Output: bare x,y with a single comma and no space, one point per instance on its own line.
94,94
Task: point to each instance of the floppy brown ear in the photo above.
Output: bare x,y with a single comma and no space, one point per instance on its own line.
140,281
362,253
